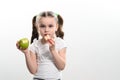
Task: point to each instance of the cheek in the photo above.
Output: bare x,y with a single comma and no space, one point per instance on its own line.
40,32
53,31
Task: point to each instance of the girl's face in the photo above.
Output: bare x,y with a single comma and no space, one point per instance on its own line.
47,26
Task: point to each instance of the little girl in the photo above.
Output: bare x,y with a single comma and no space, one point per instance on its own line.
46,59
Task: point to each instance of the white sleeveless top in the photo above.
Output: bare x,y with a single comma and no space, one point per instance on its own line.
46,67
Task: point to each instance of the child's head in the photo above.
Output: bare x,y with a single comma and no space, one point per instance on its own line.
49,23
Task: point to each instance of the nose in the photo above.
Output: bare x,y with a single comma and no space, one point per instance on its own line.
46,29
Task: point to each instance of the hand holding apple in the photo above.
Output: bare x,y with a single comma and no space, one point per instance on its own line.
23,43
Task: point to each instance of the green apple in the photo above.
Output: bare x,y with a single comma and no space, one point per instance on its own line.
23,43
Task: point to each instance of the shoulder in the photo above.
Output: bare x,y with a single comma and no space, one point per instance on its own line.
59,40
60,43
34,44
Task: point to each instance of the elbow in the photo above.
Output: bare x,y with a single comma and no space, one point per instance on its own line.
33,72
62,67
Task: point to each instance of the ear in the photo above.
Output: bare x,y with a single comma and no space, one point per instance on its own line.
36,25
56,27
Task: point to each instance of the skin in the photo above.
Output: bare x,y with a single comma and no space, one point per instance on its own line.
46,26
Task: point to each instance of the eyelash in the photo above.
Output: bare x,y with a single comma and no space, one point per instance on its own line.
50,25
42,26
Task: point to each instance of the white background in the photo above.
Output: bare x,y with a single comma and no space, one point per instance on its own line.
92,32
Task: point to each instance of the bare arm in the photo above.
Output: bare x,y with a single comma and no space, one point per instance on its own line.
31,62
59,58
30,58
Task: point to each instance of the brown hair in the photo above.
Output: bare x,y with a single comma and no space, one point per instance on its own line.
34,30
59,32
58,18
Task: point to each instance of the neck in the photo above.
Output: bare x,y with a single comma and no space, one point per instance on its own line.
43,41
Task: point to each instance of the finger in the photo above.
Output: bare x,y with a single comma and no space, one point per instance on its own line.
51,41
17,45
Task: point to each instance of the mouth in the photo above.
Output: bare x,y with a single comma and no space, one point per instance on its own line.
46,34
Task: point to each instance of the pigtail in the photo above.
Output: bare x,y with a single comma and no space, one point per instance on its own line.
59,32
34,30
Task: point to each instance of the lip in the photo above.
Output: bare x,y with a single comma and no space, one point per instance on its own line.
46,34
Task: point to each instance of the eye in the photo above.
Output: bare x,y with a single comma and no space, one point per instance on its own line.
42,26
50,25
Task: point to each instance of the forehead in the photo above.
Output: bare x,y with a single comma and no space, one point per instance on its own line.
46,20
